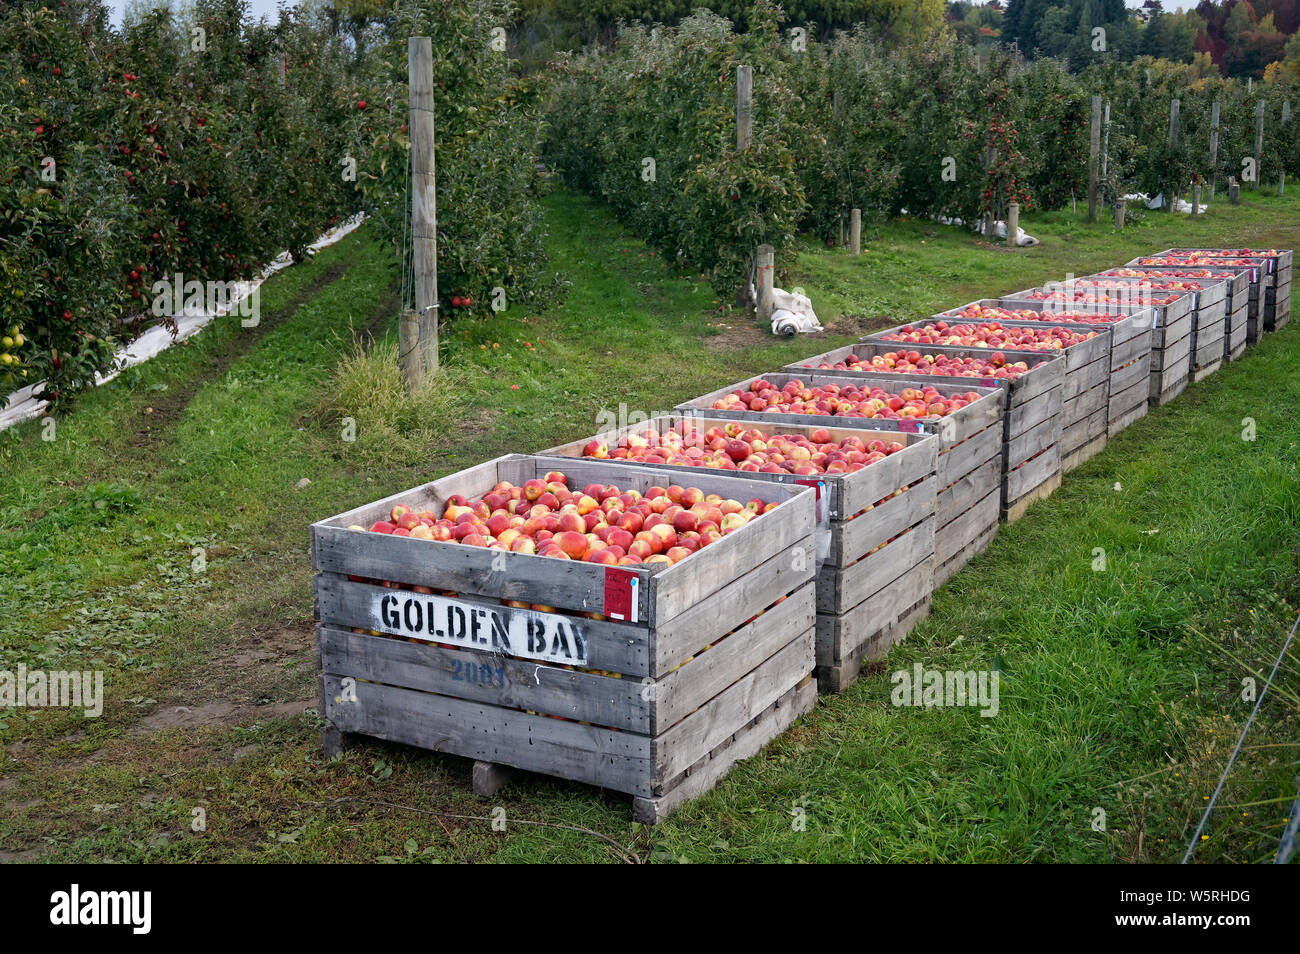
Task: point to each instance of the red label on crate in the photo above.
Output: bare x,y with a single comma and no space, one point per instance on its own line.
988,382
911,427
621,594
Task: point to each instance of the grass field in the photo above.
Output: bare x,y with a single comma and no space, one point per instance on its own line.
162,536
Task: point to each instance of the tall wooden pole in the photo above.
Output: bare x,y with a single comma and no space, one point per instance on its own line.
744,107
1259,142
1214,147
766,269
855,232
1105,138
1173,145
424,199
1094,151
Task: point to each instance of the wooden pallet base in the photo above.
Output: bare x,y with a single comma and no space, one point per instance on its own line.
1170,392
1013,512
942,574
1236,353
1083,454
1118,424
1200,374
706,773
841,675
490,776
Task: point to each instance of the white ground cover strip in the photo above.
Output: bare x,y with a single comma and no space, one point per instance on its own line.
23,404
1180,205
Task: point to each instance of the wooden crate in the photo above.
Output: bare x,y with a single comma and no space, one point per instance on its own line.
878,526
1277,306
1265,272
1128,333
1171,356
1209,317
968,504
712,657
1031,449
1236,298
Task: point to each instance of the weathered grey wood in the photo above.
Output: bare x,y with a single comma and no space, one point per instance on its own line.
969,490
1081,408
1131,373
706,773
424,198
744,107
855,232
764,272
839,590
851,540
1031,481
729,606
681,746
1115,424
839,636
1081,380
1259,143
1013,224
985,514
1202,372
1170,391
969,455
839,676
1175,357
1094,153
778,533
682,691
512,683
1025,417
490,777
408,350
615,760
611,646
1030,443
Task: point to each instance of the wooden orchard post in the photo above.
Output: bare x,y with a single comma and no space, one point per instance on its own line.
766,269
408,350
1094,149
1214,147
1105,138
424,200
1259,141
1173,145
1013,223
855,232
1234,191
744,107
1196,199
1119,212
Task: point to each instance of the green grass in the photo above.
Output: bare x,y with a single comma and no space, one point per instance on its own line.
1121,689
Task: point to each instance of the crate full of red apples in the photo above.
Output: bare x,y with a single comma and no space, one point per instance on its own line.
1083,346
568,623
1236,298
1122,368
876,502
966,418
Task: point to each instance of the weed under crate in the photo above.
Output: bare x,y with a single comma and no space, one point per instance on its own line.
648,679
969,465
877,524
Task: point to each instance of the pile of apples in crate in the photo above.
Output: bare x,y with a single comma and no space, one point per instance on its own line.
748,449
599,524
986,313
989,335
995,365
848,400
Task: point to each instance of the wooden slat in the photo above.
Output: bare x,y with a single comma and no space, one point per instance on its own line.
840,589
703,730
839,636
965,493
728,607
1086,377
705,774
1130,374
684,690
854,539
617,760
1025,415
488,678
611,646
1083,406
1031,443
970,455
1031,481
970,534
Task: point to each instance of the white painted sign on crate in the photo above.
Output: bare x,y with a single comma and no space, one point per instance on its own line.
511,631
